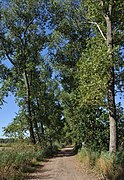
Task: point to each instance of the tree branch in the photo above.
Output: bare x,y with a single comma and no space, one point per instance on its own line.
7,54
4,48
98,29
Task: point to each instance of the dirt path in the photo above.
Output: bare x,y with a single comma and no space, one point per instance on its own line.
62,167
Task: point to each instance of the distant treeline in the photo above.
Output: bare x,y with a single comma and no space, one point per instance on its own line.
6,140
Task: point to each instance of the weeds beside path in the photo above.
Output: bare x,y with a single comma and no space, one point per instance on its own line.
64,166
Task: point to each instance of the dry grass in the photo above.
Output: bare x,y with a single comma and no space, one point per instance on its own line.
105,165
110,166
18,160
88,157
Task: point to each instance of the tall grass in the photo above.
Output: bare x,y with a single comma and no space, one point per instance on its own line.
88,156
110,166
18,160
104,164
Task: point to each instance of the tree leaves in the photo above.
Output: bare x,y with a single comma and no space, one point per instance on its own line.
93,72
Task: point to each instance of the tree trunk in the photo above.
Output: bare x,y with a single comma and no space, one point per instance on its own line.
41,122
42,130
28,105
111,84
36,128
112,114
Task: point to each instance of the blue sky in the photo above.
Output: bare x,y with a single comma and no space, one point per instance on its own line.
8,112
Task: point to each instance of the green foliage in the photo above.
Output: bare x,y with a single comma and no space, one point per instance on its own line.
17,129
88,124
120,116
22,43
85,78
30,75
60,69
93,73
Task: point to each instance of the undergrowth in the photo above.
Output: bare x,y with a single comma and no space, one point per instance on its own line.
110,166
17,161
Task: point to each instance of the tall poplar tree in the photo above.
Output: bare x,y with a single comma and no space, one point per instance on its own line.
23,37
99,63
93,30
68,40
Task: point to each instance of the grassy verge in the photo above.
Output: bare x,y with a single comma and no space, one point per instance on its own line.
18,160
109,166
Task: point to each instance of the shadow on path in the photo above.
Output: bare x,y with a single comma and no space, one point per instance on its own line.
48,169
68,151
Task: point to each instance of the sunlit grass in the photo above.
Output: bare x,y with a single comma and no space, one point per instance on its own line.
110,166
19,159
